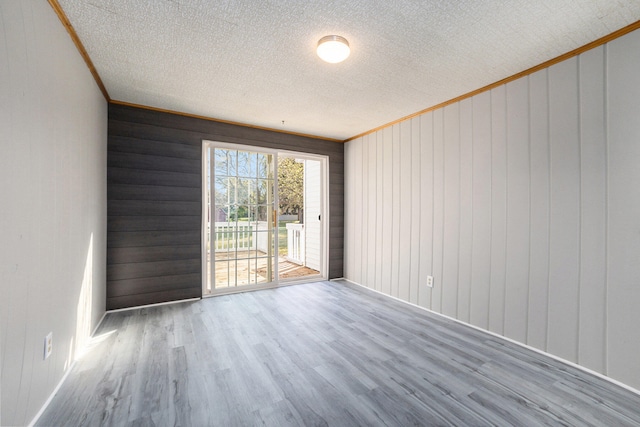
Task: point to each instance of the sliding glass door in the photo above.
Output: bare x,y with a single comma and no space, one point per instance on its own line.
240,235
250,240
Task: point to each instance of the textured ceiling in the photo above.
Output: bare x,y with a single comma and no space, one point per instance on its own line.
254,62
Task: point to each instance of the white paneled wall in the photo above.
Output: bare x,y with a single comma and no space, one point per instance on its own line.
53,206
524,204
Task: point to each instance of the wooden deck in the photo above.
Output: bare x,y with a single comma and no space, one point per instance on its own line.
248,269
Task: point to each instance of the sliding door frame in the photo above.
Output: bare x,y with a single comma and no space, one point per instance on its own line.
324,226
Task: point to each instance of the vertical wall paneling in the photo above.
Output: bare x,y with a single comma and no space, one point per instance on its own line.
355,212
523,203
396,209
362,197
348,223
426,208
363,223
481,239
404,261
498,208
539,209
155,203
387,209
592,207
349,206
565,210
518,221
623,239
414,217
438,209
358,213
53,207
372,211
380,202
466,210
451,229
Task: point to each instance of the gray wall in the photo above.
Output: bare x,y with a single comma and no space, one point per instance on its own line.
155,197
53,130
522,202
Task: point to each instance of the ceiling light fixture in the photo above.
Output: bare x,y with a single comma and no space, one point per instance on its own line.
333,49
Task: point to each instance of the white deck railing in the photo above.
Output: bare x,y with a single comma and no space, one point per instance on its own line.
248,239
224,239
295,243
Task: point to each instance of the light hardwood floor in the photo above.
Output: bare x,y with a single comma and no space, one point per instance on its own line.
321,354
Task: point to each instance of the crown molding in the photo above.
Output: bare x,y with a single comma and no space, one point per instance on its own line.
229,122
599,42
83,52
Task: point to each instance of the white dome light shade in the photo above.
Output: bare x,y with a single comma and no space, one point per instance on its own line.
333,49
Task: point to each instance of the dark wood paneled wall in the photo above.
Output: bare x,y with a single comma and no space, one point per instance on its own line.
155,199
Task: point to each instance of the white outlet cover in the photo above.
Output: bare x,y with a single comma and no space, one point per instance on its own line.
430,281
48,345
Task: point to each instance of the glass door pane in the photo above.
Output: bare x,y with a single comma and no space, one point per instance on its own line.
300,208
241,235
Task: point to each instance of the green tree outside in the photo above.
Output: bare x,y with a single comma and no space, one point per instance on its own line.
290,185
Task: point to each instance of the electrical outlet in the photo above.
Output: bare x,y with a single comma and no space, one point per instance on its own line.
430,281
48,345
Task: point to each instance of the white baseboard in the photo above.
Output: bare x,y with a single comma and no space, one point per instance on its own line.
537,350
53,393
63,379
153,305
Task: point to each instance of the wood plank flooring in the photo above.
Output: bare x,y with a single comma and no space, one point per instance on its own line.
321,354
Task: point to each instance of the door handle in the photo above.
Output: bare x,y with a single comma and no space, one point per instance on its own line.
275,218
